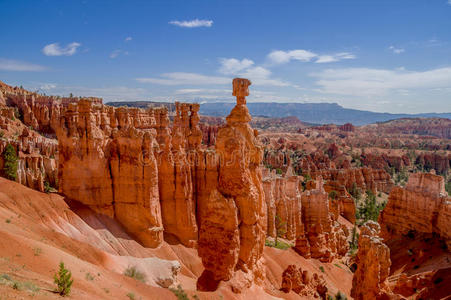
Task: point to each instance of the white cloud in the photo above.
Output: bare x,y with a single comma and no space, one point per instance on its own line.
231,66
47,86
16,65
118,52
325,59
192,23
281,57
127,39
55,49
397,50
334,58
449,2
261,76
371,82
182,78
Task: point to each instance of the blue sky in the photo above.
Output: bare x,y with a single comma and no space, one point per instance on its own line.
386,56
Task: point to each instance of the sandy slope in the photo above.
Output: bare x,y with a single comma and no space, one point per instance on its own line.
39,230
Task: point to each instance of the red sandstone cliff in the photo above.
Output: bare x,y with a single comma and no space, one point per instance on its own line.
424,193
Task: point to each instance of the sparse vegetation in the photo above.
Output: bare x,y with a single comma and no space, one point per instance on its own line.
179,293
63,280
370,209
134,273
8,221
10,162
131,295
322,269
7,280
281,228
333,195
354,243
338,296
47,187
280,245
37,251
89,277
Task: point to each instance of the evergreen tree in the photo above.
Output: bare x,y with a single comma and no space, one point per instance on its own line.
280,228
10,159
63,280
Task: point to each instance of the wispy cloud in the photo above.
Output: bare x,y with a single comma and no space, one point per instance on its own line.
397,50
449,2
56,50
183,78
231,66
16,65
118,52
192,23
281,57
335,57
372,82
128,39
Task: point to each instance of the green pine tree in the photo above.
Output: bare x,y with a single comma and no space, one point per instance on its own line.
10,159
63,280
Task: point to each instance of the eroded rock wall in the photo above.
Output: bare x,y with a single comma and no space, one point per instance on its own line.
423,206
373,265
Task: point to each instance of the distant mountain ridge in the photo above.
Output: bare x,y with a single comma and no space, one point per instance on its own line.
318,113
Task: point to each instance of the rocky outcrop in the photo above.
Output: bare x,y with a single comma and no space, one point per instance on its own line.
342,204
365,178
283,202
373,265
113,162
37,156
423,206
177,171
303,283
233,222
323,237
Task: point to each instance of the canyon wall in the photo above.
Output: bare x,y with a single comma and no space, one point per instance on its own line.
423,193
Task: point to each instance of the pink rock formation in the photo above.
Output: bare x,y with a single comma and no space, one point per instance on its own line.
303,283
233,224
113,162
373,265
365,178
324,238
423,206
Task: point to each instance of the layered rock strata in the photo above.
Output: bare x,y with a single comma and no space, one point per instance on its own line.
109,153
425,193
323,237
365,178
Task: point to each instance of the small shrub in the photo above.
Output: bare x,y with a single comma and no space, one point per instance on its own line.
8,221
179,293
89,277
16,285
37,251
340,296
133,272
131,296
322,269
47,187
279,171
333,195
63,280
